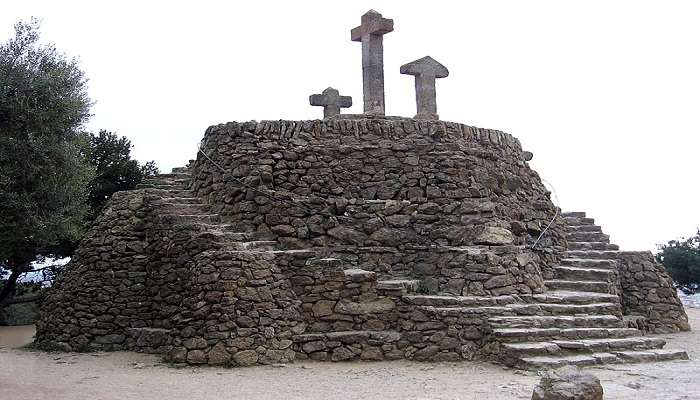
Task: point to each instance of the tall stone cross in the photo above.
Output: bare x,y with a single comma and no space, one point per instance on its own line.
370,34
331,100
425,70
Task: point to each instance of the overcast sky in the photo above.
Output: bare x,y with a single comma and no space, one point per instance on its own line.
604,93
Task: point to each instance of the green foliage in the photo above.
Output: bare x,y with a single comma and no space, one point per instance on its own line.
681,258
54,179
44,173
21,314
115,170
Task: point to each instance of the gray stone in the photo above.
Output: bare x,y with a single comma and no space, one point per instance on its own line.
331,101
355,308
568,383
370,34
246,358
218,355
494,235
425,70
323,308
196,357
342,354
195,343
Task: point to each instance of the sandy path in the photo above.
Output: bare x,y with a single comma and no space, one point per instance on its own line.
126,376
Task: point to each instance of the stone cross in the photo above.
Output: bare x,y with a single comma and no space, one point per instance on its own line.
331,100
370,34
425,70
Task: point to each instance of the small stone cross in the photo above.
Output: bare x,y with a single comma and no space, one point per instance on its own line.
370,34
331,100
425,70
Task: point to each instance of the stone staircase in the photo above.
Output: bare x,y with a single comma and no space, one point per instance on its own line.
179,206
587,328
578,320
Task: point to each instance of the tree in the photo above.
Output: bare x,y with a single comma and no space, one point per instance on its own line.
681,258
44,172
115,170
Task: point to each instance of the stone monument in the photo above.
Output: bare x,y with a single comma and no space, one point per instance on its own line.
426,70
371,33
331,101
358,238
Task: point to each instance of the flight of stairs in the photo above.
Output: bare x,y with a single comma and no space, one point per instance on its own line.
593,334
178,205
578,320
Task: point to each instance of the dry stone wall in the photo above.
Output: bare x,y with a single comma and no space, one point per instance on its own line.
648,291
343,239
104,290
385,184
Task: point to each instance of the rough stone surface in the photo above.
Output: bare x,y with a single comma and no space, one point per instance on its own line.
425,70
370,33
345,239
648,291
568,383
331,101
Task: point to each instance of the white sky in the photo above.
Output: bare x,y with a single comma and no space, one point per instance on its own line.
604,93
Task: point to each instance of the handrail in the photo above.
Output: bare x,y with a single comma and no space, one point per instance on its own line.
556,214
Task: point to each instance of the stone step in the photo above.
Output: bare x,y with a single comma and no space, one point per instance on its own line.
592,246
179,208
163,186
347,345
201,218
589,263
574,221
583,286
584,228
304,254
610,344
444,312
174,175
557,321
566,309
548,334
360,275
562,347
567,273
398,287
181,170
170,192
227,237
582,236
458,301
596,254
614,357
214,228
162,180
652,355
259,245
574,214
572,297
181,200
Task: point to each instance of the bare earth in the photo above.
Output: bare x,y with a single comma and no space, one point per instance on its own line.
99,376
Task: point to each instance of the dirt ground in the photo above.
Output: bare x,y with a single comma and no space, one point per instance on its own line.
34,375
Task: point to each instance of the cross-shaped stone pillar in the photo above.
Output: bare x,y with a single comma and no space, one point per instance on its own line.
370,34
331,100
425,70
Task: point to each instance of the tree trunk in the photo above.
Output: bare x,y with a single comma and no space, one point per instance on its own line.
8,290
